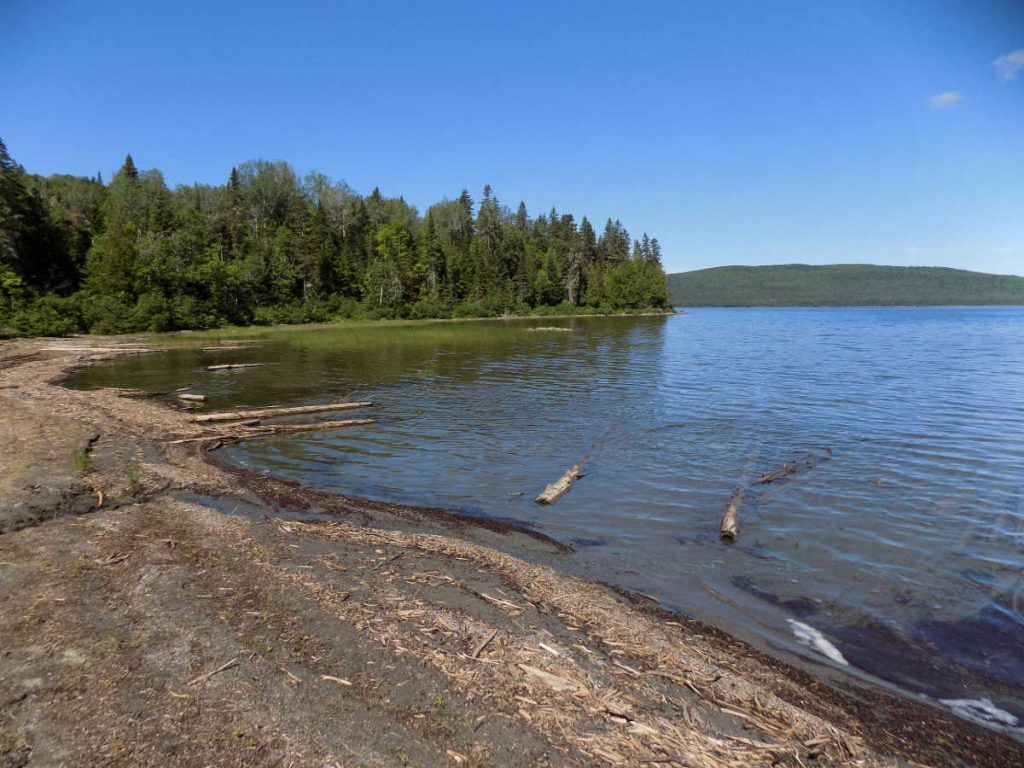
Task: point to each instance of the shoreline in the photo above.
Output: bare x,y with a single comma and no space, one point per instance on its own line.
563,671
349,321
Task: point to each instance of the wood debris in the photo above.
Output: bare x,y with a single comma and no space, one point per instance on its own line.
217,671
791,469
560,486
554,681
229,366
267,413
246,433
730,527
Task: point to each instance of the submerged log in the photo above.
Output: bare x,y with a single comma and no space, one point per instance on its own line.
226,366
792,469
245,433
267,413
731,518
560,486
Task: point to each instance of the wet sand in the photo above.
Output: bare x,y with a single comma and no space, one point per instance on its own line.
157,608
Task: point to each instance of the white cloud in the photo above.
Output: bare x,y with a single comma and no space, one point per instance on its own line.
945,99
1010,65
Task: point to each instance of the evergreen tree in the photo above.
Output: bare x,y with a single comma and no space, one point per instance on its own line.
655,254
521,219
487,244
129,169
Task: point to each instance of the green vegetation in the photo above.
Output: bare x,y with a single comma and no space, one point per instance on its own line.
841,285
78,255
83,462
134,478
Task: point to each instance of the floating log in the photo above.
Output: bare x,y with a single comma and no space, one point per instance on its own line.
267,413
560,486
192,398
142,393
226,366
246,433
731,518
130,350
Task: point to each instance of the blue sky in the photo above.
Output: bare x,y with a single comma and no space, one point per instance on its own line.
736,132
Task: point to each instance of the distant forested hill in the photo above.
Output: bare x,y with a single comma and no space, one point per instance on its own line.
793,285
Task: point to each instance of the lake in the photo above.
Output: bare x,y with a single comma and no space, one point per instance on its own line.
899,556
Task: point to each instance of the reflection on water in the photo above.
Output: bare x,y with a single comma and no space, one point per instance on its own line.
904,549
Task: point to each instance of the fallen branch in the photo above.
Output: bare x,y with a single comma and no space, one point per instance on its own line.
192,398
560,486
226,366
127,350
294,680
791,469
217,671
338,680
266,413
556,682
483,644
112,559
247,433
731,518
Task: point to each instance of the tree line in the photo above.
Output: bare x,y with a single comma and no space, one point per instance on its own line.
268,247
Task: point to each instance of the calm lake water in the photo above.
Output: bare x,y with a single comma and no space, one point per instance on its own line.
900,556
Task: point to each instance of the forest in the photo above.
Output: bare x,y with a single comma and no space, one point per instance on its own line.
80,255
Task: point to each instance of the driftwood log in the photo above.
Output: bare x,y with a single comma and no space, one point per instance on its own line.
560,486
238,434
267,413
192,398
226,366
731,518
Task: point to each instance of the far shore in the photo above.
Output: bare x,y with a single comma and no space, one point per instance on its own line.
161,608
370,323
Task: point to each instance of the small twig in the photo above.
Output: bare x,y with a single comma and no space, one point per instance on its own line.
293,679
338,680
112,559
483,644
388,560
218,670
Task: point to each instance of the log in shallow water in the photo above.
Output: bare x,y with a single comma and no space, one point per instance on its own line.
791,469
560,486
267,413
245,433
228,366
730,528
